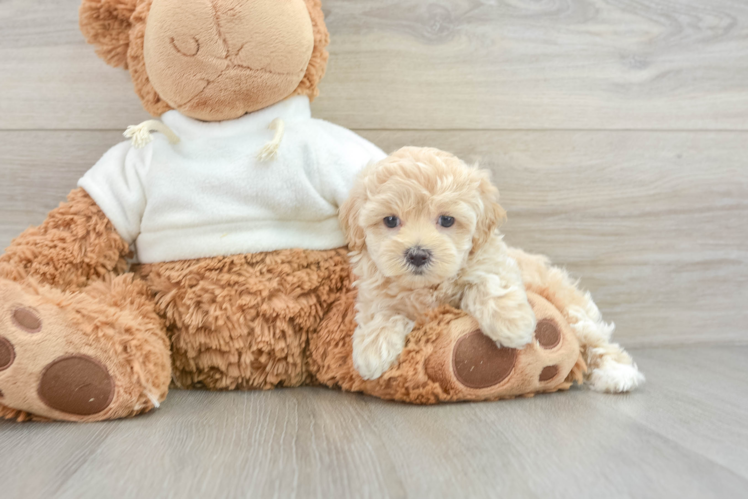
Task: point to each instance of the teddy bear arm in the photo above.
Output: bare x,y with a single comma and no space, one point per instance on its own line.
75,245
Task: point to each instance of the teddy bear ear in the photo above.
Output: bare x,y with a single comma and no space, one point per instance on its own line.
106,24
318,62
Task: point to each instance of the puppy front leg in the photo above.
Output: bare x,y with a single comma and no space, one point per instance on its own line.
377,343
499,303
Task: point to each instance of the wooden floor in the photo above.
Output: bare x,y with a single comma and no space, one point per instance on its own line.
617,131
684,435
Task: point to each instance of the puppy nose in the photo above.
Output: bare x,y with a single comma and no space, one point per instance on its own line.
418,257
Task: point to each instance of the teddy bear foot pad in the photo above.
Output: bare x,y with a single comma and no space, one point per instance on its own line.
46,368
480,370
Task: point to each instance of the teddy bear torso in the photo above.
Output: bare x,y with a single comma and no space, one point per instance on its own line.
243,256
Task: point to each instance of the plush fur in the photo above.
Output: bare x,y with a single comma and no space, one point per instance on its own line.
74,246
243,322
113,321
72,270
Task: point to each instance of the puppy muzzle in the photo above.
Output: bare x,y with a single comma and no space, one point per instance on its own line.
418,258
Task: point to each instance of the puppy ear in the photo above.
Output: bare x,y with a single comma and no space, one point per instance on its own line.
490,215
106,24
350,212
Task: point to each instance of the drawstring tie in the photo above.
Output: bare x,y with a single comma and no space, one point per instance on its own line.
270,151
140,135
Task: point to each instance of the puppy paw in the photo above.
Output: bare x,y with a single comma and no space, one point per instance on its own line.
514,329
371,364
375,349
614,377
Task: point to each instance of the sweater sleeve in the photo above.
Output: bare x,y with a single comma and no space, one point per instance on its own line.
117,185
340,159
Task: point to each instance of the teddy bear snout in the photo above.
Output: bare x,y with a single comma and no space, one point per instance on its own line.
218,52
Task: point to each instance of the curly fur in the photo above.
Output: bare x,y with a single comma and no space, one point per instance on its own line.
610,367
473,269
468,265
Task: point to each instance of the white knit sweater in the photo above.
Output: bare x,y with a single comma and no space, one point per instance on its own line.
210,196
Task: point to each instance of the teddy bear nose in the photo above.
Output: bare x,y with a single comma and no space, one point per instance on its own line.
418,257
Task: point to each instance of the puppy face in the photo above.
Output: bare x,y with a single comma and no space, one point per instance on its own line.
419,214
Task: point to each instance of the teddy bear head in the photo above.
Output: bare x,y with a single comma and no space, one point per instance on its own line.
211,59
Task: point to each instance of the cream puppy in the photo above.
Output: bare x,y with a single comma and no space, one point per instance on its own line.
422,228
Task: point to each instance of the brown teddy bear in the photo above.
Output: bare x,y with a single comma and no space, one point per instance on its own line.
241,278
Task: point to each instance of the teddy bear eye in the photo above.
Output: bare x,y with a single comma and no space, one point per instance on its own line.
446,221
391,221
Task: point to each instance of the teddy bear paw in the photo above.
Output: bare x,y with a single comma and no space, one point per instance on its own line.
39,372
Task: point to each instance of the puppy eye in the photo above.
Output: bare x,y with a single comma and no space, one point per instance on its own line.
391,221
446,221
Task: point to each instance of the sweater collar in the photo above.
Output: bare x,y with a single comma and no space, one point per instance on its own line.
294,108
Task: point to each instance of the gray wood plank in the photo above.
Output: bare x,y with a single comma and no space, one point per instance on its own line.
286,443
314,442
445,64
654,223
39,458
699,399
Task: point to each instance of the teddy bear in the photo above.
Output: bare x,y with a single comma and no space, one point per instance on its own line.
206,253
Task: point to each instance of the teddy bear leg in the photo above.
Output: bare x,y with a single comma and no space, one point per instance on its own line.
98,354
450,359
79,340
610,367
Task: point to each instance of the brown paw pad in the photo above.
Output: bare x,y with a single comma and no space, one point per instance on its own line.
548,373
27,320
7,354
548,334
78,385
479,363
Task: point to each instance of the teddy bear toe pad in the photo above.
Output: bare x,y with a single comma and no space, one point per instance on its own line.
7,354
547,333
479,363
27,320
77,384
